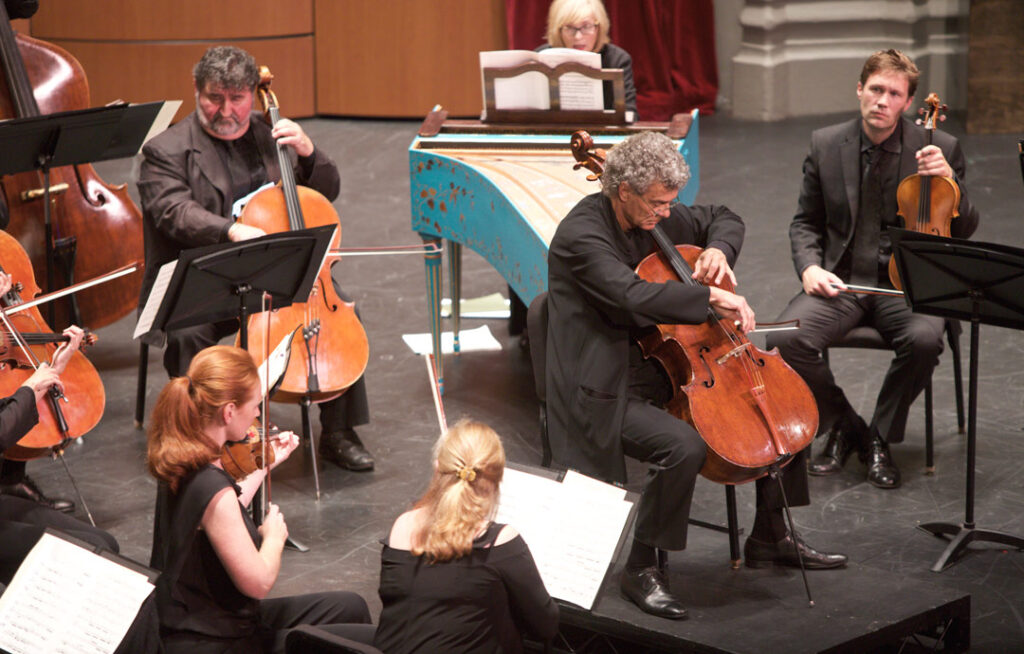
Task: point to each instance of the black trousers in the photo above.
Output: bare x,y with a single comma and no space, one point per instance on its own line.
349,410
916,340
676,454
22,523
340,612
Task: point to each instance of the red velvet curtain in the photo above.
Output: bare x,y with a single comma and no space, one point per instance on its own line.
672,43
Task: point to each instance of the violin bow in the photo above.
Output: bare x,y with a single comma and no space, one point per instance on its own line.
435,391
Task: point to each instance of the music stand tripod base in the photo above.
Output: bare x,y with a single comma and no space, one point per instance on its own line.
962,535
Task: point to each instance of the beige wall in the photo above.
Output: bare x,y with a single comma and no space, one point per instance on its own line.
803,57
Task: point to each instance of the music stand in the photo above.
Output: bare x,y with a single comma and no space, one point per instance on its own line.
69,138
979,282
217,282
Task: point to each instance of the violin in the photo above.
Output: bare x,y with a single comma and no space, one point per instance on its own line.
242,458
751,409
94,226
933,201
63,415
331,335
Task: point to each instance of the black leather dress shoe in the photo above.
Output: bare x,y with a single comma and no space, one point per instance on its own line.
842,438
27,489
882,472
648,589
346,450
761,554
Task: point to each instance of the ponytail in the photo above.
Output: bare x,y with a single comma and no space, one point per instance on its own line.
463,493
177,445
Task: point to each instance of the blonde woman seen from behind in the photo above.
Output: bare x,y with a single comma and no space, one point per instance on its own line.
451,579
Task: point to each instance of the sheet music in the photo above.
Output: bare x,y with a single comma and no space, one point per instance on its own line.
572,531
470,340
163,119
277,362
96,599
156,297
575,91
526,91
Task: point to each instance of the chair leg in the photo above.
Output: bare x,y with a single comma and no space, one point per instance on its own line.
140,385
734,531
958,378
929,431
545,459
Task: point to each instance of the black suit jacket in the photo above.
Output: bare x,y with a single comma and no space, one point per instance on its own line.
595,303
822,229
185,189
18,415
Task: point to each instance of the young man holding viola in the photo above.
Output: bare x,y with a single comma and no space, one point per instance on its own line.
838,237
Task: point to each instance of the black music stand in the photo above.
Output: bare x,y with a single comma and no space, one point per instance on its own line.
68,138
979,282
218,282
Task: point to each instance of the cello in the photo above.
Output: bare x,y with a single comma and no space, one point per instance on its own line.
924,207
331,337
752,410
95,227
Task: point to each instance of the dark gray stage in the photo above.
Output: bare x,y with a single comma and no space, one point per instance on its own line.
755,169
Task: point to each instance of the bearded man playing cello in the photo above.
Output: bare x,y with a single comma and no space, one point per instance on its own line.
605,400
190,177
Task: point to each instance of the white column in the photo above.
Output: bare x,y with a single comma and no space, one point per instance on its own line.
801,57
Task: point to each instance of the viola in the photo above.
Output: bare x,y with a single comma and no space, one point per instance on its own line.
751,409
933,202
242,458
62,416
95,226
330,336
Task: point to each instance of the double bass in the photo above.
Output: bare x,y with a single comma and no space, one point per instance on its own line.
96,227
330,345
752,410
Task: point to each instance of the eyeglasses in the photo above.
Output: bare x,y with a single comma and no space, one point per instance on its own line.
657,207
586,29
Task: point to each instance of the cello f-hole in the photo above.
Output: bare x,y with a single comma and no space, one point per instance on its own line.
711,376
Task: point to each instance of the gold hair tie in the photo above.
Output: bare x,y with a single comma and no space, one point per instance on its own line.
467,474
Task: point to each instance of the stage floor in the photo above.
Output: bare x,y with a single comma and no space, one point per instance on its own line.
747,610
753,168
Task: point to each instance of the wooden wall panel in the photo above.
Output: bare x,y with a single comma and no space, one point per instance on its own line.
149,20
403,62
144,50
143,72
